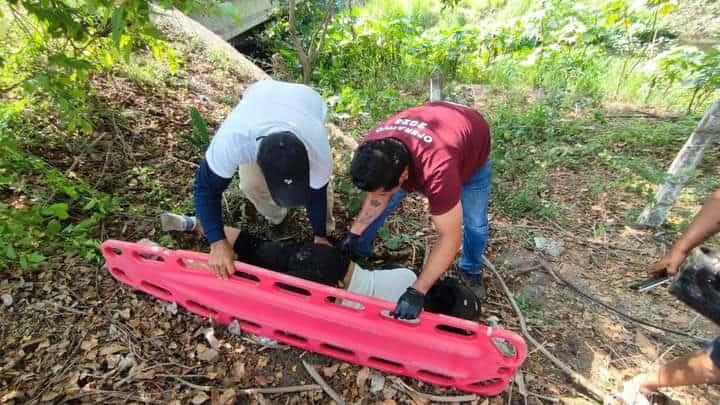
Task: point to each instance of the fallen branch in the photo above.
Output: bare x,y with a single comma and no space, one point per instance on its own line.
110,394
191,385
80,157
325,386
576,377
280,390
187,162
522,389
647,325
551,399
432,398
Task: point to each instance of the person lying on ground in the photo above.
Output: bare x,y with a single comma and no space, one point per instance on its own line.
326,265
441,150
701,367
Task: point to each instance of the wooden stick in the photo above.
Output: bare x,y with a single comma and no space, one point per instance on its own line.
261,398
191,385
551,399
576,377
327,388
84,392
280,390
80,157
433,398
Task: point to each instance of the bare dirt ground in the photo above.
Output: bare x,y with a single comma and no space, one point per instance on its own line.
73,334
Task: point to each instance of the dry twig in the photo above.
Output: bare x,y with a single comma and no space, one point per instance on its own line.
327,388
576,377
429,397
191,385
280,390
110,394
551,399
80,157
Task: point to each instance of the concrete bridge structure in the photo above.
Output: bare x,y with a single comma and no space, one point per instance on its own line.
253,12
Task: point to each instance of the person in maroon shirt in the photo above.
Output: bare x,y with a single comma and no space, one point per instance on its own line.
441,150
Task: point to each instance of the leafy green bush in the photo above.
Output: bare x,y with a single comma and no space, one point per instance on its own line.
199,136
51,48
41,211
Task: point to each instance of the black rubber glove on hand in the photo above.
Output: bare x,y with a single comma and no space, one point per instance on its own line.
348,244
409,305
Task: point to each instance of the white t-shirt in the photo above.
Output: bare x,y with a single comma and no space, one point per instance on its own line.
386,285
270,106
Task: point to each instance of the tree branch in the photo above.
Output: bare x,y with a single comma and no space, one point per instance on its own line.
308,56
576,377
327,388
323,33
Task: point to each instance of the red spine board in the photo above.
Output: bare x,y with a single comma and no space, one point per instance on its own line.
437,349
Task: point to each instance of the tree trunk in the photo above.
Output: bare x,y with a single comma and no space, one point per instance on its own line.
692,100
436,85
685,162
308,57
655,32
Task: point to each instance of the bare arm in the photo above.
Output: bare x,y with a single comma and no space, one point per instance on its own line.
449,229
705,225
373,206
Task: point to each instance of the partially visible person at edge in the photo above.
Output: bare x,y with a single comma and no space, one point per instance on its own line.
703,366
441,150
276,139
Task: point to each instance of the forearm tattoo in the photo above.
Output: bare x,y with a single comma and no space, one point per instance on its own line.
370,213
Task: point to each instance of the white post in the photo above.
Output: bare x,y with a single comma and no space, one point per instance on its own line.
436,85
685,162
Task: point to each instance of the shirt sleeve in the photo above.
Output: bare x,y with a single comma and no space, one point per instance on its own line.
230,148
317,210
207,194
443,189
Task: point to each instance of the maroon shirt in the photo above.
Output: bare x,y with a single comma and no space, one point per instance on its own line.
447,144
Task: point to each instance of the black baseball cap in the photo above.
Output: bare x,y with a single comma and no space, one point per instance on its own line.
284,161
450,297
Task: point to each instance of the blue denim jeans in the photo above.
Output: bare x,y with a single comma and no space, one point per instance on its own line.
714,352
475,198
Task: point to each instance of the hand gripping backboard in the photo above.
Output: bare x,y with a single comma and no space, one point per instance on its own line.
438,349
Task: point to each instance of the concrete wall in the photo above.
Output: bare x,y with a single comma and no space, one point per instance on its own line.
253,12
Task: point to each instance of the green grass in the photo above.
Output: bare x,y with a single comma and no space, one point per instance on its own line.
533,313
633,154
425,12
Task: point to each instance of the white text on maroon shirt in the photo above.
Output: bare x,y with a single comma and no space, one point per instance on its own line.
408,126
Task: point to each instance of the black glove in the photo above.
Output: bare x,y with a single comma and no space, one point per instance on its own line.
348,244
409,305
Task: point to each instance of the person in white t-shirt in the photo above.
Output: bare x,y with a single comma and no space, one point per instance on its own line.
276,139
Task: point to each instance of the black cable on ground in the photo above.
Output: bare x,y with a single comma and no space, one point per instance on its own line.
620,313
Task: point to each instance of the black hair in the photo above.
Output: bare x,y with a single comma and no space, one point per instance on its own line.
378,164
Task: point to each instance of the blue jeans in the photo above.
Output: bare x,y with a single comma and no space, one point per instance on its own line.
475,198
